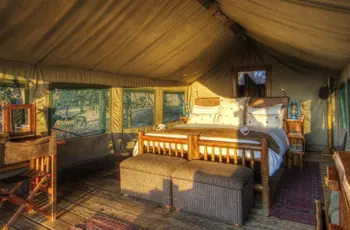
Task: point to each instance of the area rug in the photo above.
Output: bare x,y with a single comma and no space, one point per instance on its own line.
103,223
296,193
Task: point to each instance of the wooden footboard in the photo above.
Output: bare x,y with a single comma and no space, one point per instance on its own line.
158,145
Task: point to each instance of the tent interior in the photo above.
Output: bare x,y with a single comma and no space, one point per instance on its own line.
100,73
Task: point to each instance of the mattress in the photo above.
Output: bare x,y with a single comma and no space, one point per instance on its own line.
275,159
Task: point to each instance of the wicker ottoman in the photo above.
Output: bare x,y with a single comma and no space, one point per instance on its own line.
148,176
216,190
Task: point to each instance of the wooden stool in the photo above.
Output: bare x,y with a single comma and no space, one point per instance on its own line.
295,159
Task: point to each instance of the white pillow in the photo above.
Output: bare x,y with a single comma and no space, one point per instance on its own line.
205,109
266,120
202,118
226,100
231,112
276,109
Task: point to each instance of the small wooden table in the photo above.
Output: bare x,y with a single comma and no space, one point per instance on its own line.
295,134
295,158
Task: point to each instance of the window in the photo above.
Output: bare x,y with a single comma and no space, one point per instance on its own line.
173,106
79,112
12,94
343,106
138,108
251,83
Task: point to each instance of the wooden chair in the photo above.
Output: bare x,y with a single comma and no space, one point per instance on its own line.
41,174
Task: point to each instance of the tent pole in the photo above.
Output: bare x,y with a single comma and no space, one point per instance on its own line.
330,109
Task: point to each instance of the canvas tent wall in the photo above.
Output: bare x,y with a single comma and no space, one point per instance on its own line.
160,45
80,149
341,116
167,45
301,82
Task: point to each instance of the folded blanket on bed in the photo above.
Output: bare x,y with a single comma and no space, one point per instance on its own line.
231,133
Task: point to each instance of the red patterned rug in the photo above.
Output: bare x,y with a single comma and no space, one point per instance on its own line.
103,223
296,193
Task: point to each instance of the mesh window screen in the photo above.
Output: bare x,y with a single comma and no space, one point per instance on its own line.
173,106
138,108
343,107
79,112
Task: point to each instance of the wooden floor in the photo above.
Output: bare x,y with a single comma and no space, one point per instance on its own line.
98,194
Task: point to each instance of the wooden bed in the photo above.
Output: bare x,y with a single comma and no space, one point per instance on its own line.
147,145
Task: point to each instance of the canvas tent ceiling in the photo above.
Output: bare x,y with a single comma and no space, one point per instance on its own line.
176,40
171,39
315,31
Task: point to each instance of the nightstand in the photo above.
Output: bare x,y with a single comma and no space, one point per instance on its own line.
295,134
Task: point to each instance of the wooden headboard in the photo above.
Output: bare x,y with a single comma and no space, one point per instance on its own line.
253,102
268,101
207,101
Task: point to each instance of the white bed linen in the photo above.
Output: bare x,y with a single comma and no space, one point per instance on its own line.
277,134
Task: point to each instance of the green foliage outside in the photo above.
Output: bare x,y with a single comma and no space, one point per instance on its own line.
79,112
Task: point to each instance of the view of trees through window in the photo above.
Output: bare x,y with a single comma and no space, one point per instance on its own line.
79,112
173,106
138,108
251,83
11,95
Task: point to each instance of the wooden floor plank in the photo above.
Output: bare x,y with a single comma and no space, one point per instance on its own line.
274,223
21,222
39,219
3,223
93,201
99,194
153,207
63,212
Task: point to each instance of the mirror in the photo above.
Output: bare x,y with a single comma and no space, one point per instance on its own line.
20,120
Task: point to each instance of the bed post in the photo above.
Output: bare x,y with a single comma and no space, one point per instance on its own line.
195,151
190,147
265,195
140,141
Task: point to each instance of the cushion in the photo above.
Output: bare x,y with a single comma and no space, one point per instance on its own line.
276,109
214,173
202,118
260,119
227,100
153,163
231,111
205,109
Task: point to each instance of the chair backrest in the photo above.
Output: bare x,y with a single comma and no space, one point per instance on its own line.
46,161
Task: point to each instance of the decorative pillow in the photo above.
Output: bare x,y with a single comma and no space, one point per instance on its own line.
276,109
261,120
240,100
266,120
205,109
231,111
202,118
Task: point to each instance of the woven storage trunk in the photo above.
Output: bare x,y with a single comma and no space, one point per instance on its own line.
12,152
148,176
216,190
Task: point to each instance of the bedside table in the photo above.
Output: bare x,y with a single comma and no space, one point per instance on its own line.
295,134
184,119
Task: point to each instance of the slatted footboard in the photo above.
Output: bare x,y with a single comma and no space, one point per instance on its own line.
178,147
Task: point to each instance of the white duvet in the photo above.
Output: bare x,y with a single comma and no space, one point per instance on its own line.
277,134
